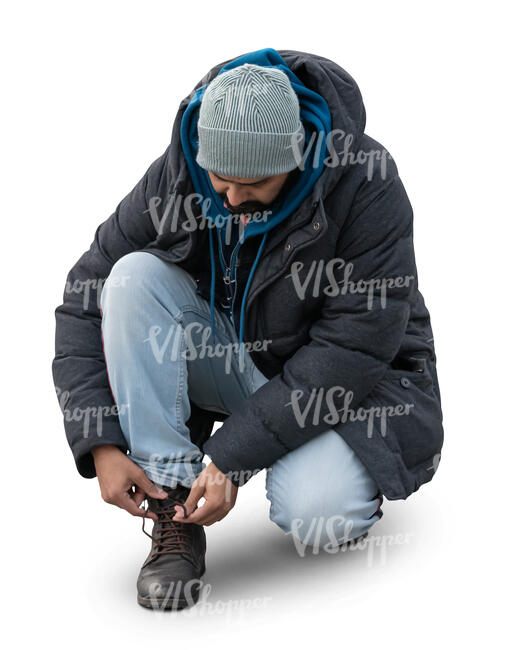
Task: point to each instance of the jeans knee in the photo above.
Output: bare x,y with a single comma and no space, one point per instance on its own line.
323,522
131,280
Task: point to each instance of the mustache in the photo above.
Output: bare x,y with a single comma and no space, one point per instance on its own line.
257,206
244,208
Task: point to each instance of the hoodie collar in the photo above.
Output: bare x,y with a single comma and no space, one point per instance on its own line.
322,75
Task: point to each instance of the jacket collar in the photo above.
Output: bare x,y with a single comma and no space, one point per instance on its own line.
309,226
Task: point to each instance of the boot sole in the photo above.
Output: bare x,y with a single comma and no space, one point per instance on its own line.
163,604
168,603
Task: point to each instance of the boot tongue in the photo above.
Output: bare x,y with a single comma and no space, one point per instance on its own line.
169,537
176,495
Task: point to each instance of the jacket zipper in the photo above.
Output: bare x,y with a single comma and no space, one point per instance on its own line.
227,274
235,285
277,275
270,281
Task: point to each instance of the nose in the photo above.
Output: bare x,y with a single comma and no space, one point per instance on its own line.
237,196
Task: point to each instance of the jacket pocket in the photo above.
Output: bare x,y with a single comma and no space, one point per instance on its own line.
414,369
411,411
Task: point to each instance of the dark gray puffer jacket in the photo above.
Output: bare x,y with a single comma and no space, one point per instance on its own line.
335,293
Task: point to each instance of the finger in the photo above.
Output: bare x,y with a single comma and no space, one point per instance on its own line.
202,514
126,503
208,522
223,515
141,480
190,504
181,513
138,496
218,517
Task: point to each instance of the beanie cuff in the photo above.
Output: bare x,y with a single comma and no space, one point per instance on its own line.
247,154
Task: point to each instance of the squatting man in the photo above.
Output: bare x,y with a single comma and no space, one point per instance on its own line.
258,321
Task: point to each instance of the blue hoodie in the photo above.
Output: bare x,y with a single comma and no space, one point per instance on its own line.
315,117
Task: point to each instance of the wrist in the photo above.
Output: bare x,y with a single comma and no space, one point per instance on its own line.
103,450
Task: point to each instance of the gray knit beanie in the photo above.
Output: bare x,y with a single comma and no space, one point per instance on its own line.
247,119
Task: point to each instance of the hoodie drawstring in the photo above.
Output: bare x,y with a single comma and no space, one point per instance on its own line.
245,292
212,287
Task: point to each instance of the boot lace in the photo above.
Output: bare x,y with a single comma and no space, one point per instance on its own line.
169,536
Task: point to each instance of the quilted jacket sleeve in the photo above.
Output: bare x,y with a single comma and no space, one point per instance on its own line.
351,344
79,368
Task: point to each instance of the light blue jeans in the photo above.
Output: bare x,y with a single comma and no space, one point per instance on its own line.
156,333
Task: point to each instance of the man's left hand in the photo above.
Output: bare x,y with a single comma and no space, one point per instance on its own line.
219,494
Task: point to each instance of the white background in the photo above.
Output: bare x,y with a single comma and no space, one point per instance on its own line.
90,92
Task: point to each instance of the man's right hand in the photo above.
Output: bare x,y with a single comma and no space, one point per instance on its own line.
118,475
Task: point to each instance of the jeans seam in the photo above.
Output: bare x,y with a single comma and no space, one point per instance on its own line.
156,472
223,332
181,383
203,314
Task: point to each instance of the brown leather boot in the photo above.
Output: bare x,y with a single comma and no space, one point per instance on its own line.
170,575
